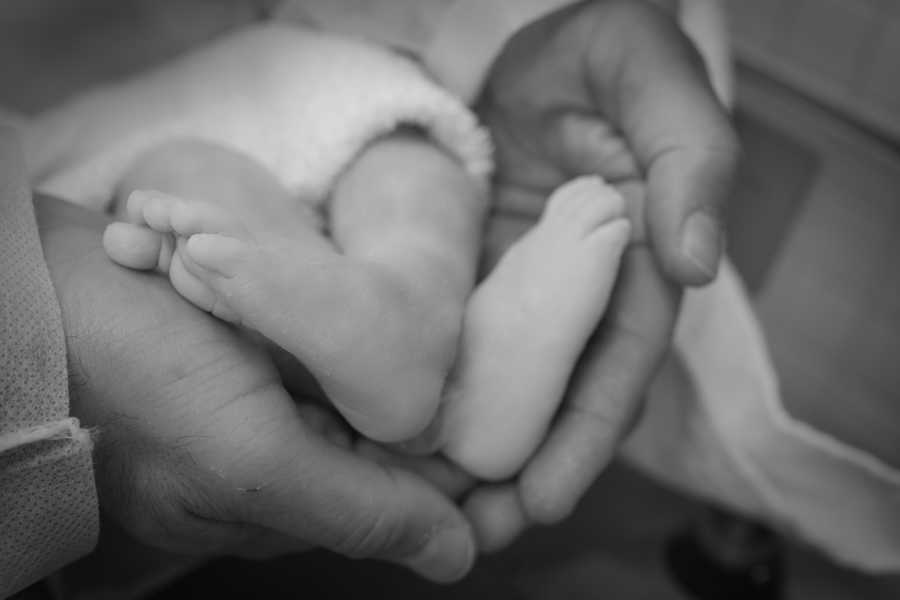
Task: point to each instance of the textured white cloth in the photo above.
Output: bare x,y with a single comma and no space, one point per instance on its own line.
48,506
301,103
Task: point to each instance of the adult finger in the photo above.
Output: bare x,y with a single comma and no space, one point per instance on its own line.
586,144
260,543
451,480
648,79
606,391
283,476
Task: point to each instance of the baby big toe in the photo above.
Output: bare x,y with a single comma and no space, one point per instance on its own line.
244,277
197,291
223,255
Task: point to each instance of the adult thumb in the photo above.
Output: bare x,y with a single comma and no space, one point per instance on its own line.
653,83
297,483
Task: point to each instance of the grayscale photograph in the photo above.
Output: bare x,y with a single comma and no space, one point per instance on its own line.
646,347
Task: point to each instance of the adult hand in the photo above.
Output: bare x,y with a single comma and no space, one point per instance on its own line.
609,87
200,449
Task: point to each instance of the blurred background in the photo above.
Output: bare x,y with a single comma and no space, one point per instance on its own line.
843,53
818,204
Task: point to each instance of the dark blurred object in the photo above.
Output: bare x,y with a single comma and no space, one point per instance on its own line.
320,575
725,556
37,591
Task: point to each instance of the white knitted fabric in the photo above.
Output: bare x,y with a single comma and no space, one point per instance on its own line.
48,506
300,102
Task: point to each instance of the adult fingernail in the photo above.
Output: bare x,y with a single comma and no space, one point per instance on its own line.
701,242
446,557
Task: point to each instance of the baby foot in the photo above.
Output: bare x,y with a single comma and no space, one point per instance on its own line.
337,316
526,325
155,235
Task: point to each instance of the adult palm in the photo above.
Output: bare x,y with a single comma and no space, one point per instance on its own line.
200,449
610,87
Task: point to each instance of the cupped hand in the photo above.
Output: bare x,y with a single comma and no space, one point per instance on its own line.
200,449
613,88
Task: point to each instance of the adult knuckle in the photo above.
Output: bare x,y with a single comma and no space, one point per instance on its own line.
372,535
606,408
636,337
604,416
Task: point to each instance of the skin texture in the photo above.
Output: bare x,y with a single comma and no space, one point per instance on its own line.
201,450
526,324
265,266
612,88
404,227
206,464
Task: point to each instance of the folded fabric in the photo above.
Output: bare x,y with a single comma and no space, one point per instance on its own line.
723,434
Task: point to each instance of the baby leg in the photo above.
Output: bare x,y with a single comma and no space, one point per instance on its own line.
408,213
526,325
349,319
199,187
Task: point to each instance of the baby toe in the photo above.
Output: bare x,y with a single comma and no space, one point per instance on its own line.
584,204
137,247
201,217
